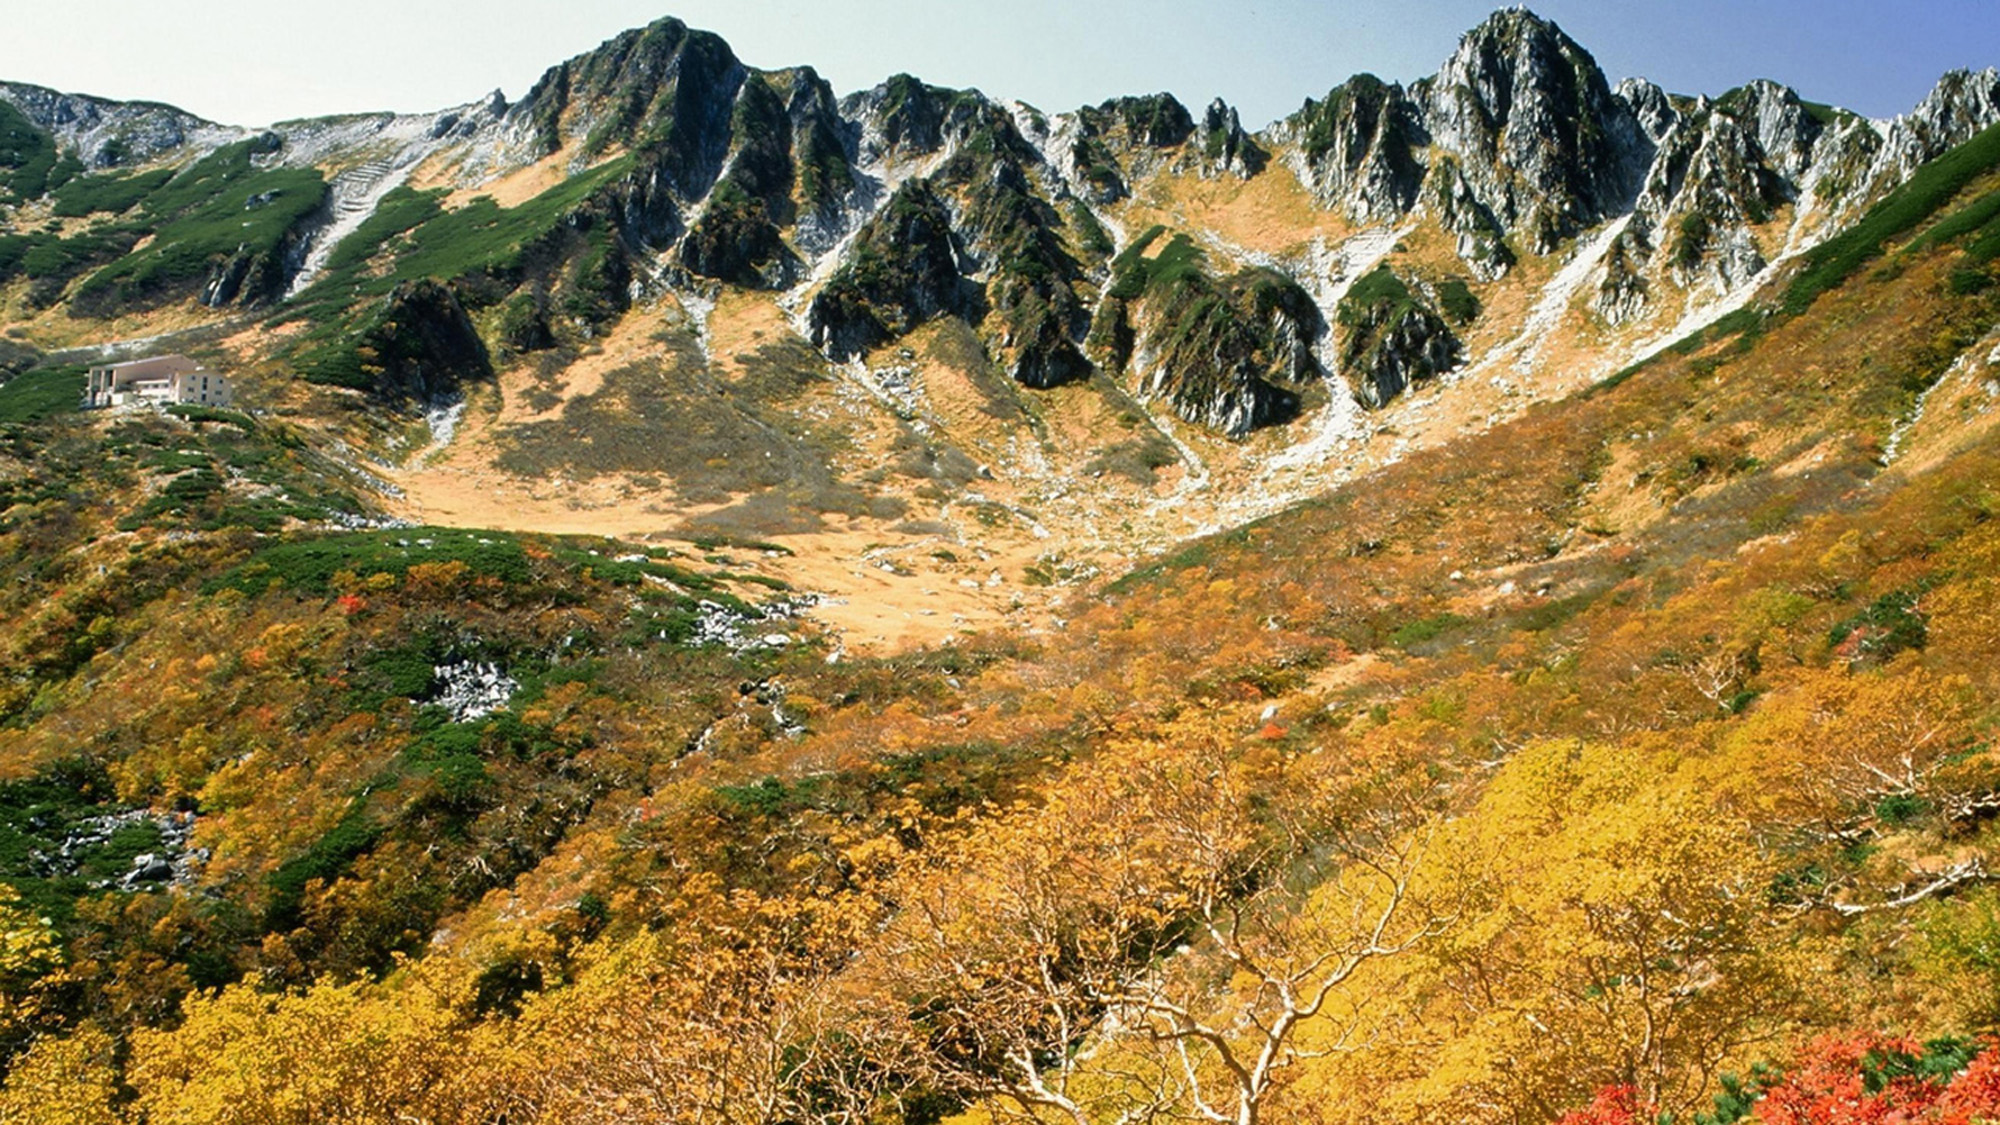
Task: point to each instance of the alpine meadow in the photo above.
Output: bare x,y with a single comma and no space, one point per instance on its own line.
693,598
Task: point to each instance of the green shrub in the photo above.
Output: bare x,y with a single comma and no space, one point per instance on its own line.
1424,630
326,858
1136,459
1378,287
1457,302
307,566
194,412
42,393
1892,624
1091,236
27,157
1130,270
108,194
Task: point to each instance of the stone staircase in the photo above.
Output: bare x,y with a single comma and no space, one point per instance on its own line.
355,194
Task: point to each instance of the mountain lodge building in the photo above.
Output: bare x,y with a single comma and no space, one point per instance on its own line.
164,380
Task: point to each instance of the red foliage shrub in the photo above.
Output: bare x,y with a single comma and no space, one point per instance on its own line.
1973,1096
1614,1105
1853,1078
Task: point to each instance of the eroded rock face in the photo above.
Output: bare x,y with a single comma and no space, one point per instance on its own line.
735,237
902,271
1481,240
1099,150
105,133
736,241
1393,339
1155,121
1710,184
1782,128
823,146
1622,292
1017,250
1219,364
251,278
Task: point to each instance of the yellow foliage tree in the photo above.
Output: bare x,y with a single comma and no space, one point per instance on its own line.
727,1020
1609,938
1135,946
71,1080
31,965
393,1054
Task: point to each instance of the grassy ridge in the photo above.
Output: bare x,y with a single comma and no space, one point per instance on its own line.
419,238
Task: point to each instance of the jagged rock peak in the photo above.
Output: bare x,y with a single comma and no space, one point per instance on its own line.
1513,48
1359,147
907,116
1153,120
1224,145
1785,127
1545,144
1963,103
1651,107
634,88
1518,133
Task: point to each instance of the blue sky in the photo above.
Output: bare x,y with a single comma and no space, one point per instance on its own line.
255,61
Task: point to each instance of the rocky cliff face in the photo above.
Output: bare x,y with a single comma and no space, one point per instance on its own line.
1229,352
108,134
1394,338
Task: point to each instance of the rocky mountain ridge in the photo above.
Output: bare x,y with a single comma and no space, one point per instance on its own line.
1573,224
